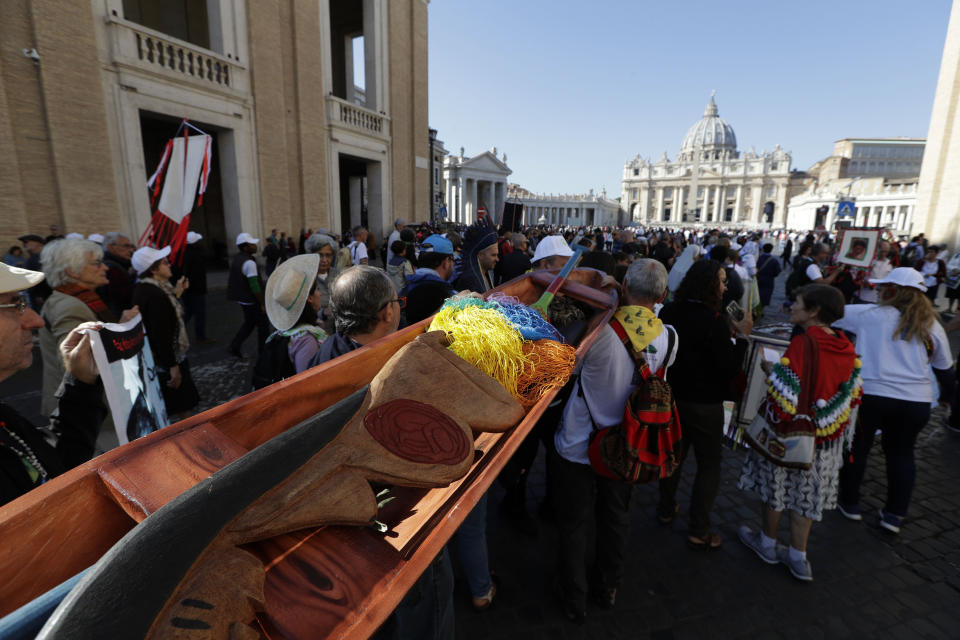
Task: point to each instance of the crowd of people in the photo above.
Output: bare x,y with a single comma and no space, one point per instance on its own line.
869,355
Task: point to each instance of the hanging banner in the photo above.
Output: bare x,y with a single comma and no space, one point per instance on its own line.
123,357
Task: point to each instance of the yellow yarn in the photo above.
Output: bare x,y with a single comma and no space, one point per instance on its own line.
485,339
785,361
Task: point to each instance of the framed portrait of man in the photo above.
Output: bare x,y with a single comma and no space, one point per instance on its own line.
858,247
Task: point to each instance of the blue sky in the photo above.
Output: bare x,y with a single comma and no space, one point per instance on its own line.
571,90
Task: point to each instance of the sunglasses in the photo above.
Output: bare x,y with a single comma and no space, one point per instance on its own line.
21,304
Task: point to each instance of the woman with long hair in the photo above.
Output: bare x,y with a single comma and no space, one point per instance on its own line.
833,375
707,359
899,339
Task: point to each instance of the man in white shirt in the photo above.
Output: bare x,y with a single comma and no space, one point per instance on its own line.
881,269
606,380
398,225
358,248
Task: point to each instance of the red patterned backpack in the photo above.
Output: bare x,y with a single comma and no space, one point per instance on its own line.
645,446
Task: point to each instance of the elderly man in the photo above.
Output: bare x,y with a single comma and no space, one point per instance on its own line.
118,293
606,379
517,262
398,225
26,460
365,308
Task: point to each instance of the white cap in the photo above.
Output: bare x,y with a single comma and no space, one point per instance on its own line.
552,246
193,236
903,277
288,289
17,279
246,238
75,236
95,237
143,257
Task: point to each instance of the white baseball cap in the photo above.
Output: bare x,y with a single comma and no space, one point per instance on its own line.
17,279
193,236
246,238
95,237
288,289
903,277
552,246
143,257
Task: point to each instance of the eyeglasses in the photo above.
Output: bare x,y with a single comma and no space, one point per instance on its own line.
21,304
402,301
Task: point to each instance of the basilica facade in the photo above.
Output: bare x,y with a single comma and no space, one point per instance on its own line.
710,182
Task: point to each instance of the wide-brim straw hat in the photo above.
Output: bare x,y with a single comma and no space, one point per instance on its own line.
288,289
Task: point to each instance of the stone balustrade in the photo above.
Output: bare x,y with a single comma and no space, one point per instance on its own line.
360,119
145,49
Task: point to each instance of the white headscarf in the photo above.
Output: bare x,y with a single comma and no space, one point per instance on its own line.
682,265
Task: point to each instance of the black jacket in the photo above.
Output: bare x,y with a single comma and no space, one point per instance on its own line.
77,421
159,321
195,269
706,359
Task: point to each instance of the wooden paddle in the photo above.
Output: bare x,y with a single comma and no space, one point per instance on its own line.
543,304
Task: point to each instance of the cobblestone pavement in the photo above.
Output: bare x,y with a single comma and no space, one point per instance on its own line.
867,583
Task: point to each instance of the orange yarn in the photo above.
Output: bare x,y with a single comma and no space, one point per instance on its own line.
548,366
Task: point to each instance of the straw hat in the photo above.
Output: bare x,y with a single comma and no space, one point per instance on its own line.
288,289
17,279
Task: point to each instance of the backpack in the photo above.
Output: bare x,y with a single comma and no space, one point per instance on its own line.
344,259
645,446
797,278
273,363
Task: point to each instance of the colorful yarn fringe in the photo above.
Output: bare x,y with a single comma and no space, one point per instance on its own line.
483,337
548,367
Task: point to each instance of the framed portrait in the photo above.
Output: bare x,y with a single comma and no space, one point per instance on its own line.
767,346
858,247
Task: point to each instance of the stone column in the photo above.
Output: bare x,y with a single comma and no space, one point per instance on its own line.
644,206
758,199
679,205
658,214
719,203
472,214
461,205
738,205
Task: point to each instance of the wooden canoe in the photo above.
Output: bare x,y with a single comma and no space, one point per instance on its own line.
66,525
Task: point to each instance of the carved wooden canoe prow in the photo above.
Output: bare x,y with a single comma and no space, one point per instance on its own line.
252,549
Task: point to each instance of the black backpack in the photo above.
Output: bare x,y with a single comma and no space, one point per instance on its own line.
797,278
273,363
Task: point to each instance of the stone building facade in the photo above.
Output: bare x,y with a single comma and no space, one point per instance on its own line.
879,175
474,182
711,182
938,193
558,210
90,91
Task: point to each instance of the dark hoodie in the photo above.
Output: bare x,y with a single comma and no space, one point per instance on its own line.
425,293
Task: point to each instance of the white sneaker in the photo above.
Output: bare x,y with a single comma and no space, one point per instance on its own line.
753,539
799,569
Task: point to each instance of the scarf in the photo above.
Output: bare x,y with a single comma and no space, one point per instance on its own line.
640,323
183,342
90,298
